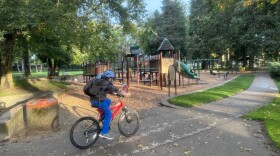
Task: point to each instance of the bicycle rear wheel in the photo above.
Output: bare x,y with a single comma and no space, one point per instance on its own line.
84,133
128,123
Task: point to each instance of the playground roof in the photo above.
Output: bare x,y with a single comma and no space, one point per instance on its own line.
165,45
133,55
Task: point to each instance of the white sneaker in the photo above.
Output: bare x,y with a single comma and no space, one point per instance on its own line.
106,136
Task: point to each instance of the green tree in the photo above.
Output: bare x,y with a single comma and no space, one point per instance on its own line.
12,20
174,24
54,27
22,41
171,24
238,28
150,40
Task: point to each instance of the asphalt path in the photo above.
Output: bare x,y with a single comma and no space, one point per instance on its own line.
214,129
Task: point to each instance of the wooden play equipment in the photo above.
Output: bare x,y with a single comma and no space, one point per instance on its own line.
90,70
166,59
138,67
148,68
206,64
185,71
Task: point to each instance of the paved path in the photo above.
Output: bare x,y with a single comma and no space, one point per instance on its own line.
213,129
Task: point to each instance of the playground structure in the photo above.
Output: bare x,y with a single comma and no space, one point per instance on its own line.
91,70
206,64
154,70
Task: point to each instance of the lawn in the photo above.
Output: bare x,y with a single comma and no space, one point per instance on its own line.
37,82
23,86
45,74
230,88
270,115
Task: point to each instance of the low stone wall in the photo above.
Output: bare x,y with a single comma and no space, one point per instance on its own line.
13,118
11,122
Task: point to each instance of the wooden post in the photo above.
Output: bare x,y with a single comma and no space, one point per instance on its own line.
179,66
127,72
150,76
115,67
108,65
160,67
83,67
137,70
169,84
122,68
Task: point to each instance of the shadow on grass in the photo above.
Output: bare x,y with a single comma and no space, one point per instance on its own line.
33,88
24,84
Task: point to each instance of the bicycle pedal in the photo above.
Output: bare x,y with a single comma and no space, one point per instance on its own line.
94,136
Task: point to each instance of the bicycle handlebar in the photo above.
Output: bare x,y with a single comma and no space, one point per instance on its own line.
120,95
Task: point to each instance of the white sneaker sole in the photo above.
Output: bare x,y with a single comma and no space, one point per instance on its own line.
104,137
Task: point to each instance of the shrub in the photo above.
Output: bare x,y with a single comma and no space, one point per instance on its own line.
274,69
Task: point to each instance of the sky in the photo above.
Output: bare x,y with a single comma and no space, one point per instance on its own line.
152,5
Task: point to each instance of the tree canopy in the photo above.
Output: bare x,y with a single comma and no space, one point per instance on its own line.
239,28
54,29
170,24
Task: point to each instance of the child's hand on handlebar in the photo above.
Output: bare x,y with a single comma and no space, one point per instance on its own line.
120,95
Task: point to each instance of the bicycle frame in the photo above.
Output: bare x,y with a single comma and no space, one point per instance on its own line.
115,109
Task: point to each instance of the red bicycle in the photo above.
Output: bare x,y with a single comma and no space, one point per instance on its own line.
85,131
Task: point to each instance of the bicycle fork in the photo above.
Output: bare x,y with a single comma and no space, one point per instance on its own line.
127,117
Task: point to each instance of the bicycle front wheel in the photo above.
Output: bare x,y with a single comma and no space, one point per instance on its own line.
84,133
128,123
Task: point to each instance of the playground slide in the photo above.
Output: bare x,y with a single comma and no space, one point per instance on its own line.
186,70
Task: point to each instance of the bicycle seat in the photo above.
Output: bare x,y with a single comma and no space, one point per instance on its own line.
93,106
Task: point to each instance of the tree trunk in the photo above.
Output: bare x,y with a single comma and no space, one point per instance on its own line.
25,56
50,69
53,68
1,63
36,68
19,71
41,69
22,66
251,59
6,62
244,59
230,62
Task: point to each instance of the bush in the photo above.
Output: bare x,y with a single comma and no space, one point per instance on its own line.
274,69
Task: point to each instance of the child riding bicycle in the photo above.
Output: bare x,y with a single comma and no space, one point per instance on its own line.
102,102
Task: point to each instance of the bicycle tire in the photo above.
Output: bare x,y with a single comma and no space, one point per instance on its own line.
88,128
128,119
55,124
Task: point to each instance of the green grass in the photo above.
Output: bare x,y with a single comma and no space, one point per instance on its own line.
233,87
23,86
35,83
270,115
45,74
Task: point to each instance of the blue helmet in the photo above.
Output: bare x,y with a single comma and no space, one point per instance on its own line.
109,74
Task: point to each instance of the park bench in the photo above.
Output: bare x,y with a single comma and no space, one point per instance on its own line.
65,77
119,79
145,80
226,75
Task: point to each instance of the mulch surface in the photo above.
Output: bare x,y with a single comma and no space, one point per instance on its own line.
74,103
